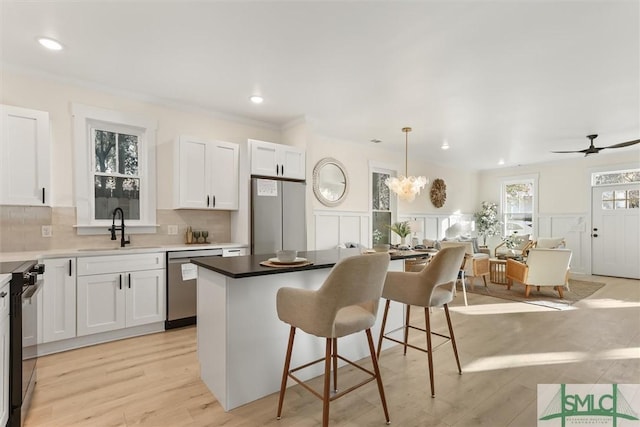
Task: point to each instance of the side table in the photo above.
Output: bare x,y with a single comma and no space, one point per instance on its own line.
497,271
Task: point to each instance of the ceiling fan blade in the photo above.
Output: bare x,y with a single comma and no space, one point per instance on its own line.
575,151
623,144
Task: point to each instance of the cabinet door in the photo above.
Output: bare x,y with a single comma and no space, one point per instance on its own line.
264,158
4,354
193,180
100,304
59,299
4,360
223,169
24,157
145,297
292,162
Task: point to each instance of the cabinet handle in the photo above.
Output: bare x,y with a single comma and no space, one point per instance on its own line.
43,195
120,281
70,272
129,280
282,170
214,202
277,169
207,200
3,294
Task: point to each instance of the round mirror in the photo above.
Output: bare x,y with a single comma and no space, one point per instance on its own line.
330,183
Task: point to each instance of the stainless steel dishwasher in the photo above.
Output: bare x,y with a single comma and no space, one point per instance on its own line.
181,290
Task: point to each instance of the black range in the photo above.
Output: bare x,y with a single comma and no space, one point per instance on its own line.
24,285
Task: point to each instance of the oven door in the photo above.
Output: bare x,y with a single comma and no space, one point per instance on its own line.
30,319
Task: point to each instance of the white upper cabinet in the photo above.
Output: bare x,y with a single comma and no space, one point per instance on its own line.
24,157
207,174
276,160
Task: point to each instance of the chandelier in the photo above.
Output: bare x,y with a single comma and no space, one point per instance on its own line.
406,187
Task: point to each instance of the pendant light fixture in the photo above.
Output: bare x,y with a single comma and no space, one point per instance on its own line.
406,187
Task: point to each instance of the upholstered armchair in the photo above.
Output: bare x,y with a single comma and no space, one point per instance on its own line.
522,247
476,264
550,243
544,267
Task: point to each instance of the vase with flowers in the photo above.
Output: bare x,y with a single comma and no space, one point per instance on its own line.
511,242
487,221
402,229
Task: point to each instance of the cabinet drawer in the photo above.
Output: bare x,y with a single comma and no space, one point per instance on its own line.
4,301
234,252
120,263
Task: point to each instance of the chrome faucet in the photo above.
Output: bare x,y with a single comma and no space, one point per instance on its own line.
113,228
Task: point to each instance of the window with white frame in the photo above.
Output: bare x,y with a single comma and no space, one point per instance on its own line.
115,168
382,206
519,205
618,198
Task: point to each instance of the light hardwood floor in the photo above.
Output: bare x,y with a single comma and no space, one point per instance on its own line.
506,349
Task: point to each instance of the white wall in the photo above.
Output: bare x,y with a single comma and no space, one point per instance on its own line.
56,96
564,205
563,185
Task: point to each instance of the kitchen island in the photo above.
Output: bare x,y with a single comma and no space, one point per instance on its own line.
241,341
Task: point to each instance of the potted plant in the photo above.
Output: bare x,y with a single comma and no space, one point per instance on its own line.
487,221
402,229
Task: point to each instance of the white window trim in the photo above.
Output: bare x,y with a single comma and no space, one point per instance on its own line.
84,119
517,179
392,171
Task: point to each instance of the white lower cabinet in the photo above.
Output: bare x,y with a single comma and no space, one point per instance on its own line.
4,353
119,299
59,299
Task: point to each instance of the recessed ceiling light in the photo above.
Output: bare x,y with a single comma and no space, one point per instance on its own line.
256,99
376,140
501,162
50,44
445,145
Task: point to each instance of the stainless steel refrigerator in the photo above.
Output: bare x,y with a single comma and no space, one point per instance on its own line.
278,219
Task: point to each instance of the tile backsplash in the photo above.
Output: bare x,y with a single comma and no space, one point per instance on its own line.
21,228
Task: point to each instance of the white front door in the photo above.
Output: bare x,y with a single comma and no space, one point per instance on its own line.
615,233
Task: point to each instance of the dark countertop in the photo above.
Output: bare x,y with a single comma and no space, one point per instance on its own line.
249,266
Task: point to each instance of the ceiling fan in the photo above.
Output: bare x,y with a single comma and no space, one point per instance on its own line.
595,150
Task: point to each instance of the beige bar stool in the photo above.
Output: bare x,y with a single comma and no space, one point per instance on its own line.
346,303
434,286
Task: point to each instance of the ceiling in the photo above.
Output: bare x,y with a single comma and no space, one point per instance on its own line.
495,79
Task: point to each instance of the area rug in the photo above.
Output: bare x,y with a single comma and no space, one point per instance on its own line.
546,296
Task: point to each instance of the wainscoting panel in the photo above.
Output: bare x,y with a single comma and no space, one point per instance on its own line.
434,226
575,232
333,228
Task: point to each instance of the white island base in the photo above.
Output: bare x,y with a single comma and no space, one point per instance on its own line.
242,343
